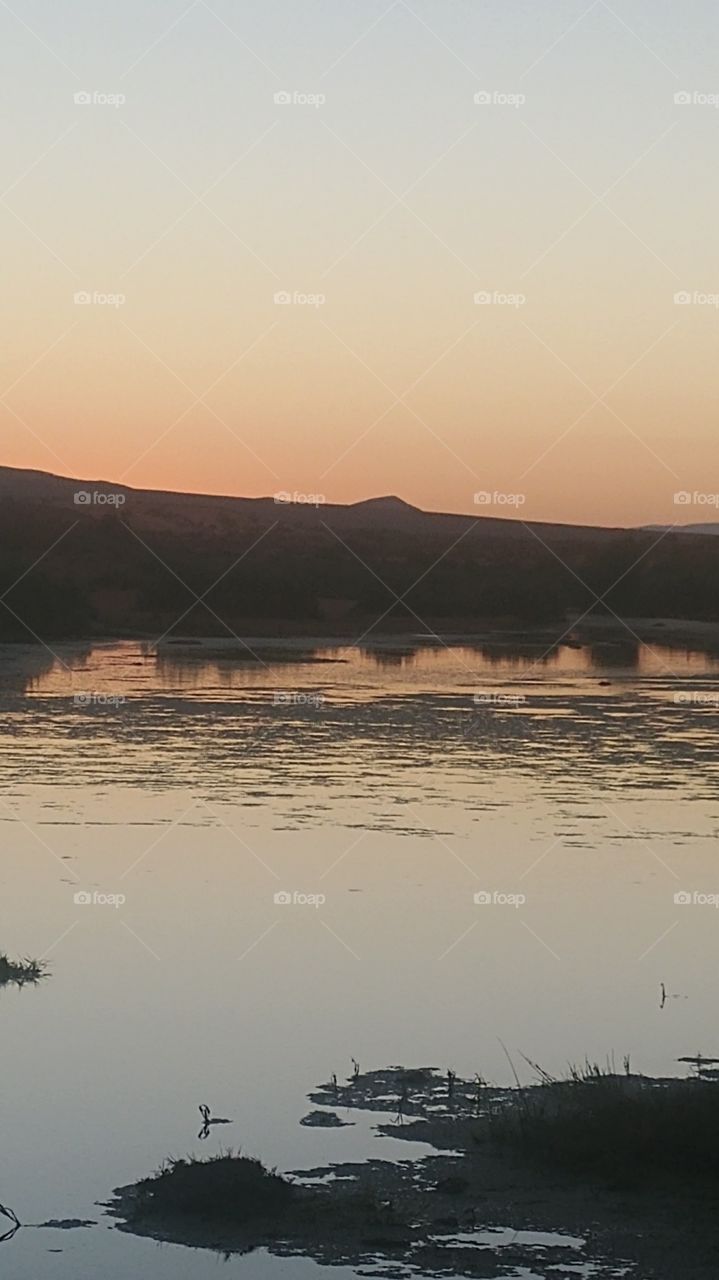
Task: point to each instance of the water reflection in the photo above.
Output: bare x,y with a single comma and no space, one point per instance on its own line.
399,798
615,653
502,653
23,667
391,657
136,668
13,1218
208,1120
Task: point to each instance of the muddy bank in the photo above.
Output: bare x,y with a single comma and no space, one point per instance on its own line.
473,1205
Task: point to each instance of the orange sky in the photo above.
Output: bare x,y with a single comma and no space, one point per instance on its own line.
383,211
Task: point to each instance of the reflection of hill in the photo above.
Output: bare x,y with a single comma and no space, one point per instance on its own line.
22,667
140,568
539,653
196,665
619,653
392,657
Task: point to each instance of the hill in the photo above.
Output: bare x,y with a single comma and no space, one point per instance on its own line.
91,558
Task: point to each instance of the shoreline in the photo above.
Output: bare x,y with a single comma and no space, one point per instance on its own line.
444,1210
699,634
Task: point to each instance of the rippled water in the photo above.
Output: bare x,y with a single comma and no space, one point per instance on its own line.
576,795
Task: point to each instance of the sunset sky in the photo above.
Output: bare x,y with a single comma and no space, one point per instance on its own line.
384,188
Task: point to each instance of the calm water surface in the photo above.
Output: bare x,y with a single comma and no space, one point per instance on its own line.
578,793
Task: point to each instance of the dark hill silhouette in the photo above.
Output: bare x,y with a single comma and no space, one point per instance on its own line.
138,565
710,528
157,506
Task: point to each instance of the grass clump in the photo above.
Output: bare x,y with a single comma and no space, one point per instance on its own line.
619,1126
20,972
226,1187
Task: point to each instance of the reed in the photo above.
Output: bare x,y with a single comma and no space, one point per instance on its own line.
619,1125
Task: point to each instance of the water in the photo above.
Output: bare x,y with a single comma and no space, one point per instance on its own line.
381,790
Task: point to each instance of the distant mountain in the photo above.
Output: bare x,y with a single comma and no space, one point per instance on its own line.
710,528
175,509
90,558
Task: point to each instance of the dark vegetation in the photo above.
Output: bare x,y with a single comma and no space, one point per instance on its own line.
597,1124
134,569
625,1163
225,1188
622,1127
20,972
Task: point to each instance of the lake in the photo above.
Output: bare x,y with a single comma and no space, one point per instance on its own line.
245,870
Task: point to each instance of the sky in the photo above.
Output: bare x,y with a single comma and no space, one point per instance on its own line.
494,222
